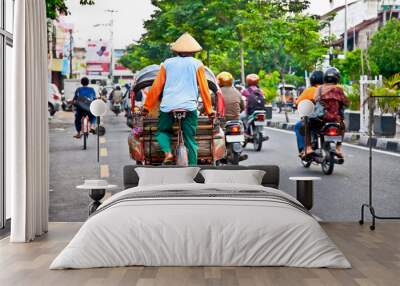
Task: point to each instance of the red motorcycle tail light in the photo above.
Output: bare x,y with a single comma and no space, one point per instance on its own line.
56,97
235,129
332,132
260,117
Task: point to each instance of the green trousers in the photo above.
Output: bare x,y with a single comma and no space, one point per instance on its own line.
189,126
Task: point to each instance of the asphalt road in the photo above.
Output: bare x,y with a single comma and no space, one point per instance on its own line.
337,197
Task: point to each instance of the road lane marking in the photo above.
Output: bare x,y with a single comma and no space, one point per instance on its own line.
103,152
344,144
104,171
103,140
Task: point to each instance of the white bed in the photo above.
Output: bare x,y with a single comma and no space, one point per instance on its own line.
207,230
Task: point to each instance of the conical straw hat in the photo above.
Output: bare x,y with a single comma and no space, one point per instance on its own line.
186,44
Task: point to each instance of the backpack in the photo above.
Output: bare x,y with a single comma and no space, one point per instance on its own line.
83,103
255,101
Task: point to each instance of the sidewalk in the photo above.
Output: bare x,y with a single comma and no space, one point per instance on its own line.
387,144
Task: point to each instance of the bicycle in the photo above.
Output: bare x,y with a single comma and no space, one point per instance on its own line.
85,130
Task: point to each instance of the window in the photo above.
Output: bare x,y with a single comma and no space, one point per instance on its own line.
6,42
9,19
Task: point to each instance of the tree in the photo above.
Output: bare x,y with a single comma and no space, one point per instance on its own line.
263,33
57,7
385,48
351,66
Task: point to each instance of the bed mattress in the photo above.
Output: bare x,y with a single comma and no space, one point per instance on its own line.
201,225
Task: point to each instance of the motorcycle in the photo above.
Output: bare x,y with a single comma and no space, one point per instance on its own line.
254,130
323,143
234,138
116,107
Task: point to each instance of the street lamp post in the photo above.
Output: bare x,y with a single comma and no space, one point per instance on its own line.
345,28
111,25
71,38
112,12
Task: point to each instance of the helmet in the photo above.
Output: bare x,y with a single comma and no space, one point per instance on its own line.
332,75
252,79
225,79
317,77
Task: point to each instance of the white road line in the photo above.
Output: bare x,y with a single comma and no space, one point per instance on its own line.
344,144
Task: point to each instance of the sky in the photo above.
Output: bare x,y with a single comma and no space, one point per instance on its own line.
128,21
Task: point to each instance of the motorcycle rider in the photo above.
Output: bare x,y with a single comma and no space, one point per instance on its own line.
234,103
116,95
179,80
254,95
333,101
84,94
316,80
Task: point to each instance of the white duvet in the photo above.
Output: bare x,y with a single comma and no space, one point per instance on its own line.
200,232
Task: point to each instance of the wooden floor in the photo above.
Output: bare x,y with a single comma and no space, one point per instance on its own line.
375,257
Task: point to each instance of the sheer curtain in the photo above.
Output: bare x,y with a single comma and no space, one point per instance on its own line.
26,124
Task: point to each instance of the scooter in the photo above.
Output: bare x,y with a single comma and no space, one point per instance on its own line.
234,138
254,130
324,143
116,107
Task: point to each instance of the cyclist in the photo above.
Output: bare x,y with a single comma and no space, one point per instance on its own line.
84,95
179,81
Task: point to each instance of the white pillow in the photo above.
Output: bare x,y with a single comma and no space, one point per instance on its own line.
166,176
244,177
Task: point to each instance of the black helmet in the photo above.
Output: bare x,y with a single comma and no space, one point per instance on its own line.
317,77
332,75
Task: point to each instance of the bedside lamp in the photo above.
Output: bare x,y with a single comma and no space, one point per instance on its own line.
97,188
98,108
305,108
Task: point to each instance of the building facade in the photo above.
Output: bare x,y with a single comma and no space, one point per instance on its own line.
364,17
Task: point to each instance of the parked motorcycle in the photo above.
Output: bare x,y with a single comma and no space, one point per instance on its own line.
234,138
324,144
254,130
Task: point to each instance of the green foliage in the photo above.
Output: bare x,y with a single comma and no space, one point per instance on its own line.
389,89
269,84
353,94
294,80
56,7
385,48
351,66
273,34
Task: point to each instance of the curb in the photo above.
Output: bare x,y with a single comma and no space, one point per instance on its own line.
386,144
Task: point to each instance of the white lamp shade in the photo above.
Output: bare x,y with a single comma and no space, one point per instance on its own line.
98,107
305,107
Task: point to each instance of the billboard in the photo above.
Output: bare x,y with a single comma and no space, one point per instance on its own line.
98,52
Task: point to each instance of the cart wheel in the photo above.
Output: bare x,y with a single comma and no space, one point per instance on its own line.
372,227
361,222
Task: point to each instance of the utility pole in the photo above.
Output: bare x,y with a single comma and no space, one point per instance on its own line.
71,39
242,72
112,12
345,28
